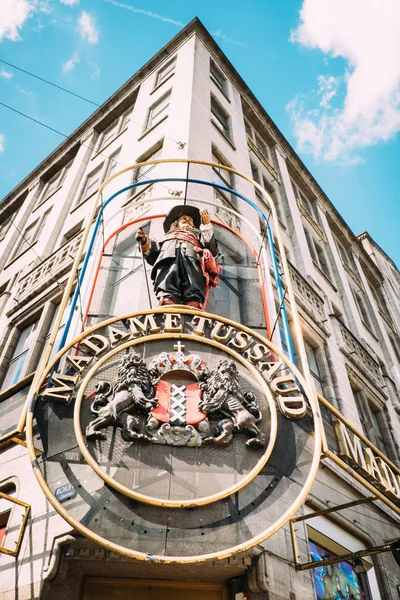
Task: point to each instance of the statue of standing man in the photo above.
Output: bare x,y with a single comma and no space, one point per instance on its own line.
183,261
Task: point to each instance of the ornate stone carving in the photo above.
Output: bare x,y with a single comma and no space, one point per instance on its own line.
49,269
176,401
306,294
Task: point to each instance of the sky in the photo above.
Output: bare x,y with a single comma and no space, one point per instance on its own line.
326,71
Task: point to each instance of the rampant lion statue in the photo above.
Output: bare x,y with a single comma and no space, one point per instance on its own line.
239,412
123,406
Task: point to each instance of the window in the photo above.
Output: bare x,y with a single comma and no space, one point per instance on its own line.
380,301
314,368
362,309
220,118
318,254
30,235
113,130
158,111
53,184
262,146
218,77
248,128
346,256
222,177
60,331
255,173
376,418
92,184
142,173
371,420
166,72
308,206
20,354
361,410
108,135
125,276
5,226
394,340
112,164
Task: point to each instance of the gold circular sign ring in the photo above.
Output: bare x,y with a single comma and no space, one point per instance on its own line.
221,555
151,499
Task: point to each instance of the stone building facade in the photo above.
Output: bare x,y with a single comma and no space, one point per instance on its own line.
188,102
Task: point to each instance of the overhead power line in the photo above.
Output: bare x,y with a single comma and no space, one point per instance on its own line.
32,119
63,89
59,87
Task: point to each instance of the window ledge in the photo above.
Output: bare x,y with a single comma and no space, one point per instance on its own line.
225,95
368,328
152,128
157,87
83,202
10,391
13,260
224,135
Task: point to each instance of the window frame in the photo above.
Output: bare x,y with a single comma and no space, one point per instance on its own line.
222,121
316,249
120,124
23,352
53,184
99,169
5,226
112,164
138,173
152,119
228,180
370,423
362,309
36,226
315,372
219,78
161,76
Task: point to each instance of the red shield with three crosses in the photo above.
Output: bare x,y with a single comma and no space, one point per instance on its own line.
178,403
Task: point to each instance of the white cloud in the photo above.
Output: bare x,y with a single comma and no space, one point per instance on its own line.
70,64
69,2
5,74
96,73
147,13
2,142
13,14
366,33
87,28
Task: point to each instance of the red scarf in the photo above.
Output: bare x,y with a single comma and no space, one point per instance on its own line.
209,266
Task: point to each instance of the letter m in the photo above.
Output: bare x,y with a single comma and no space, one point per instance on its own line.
62,387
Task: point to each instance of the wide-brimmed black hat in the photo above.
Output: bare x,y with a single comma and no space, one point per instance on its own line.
179,211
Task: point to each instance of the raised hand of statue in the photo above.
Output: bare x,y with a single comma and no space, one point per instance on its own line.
205,217
141,237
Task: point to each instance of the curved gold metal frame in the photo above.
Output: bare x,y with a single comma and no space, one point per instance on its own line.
175,503
86,230
180,559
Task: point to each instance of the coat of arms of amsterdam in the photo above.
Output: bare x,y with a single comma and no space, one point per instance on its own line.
176,400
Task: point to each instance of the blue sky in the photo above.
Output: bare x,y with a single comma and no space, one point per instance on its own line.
326,71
